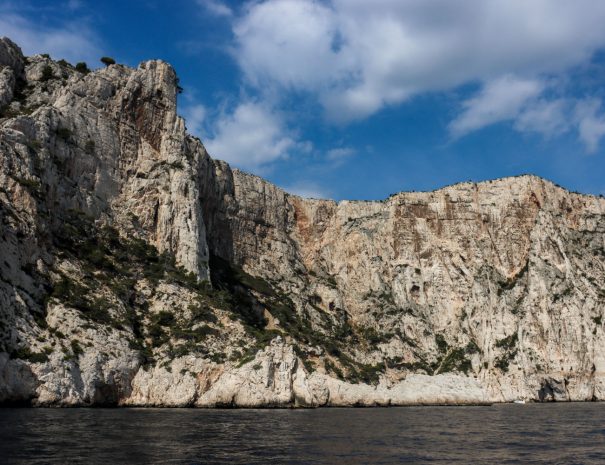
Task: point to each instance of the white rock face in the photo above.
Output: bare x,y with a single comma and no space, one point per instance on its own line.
513,266
276,378
474,293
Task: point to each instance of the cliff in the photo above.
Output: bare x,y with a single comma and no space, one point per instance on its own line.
137,270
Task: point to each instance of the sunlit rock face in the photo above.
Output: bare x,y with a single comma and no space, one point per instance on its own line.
137,270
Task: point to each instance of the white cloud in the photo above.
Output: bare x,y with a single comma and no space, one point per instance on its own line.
357,56
549,118
340,153
289,42
73,41
308,190
216,8
591,123
195,117
500,100
510,99
251,137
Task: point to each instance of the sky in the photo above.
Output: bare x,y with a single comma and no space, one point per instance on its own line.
358,99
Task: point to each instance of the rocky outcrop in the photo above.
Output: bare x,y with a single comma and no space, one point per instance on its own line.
137,270
275,378
11,70
110,144
506,275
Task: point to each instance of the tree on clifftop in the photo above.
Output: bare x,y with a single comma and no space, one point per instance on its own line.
108,61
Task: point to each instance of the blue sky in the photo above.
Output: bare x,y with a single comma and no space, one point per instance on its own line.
351,99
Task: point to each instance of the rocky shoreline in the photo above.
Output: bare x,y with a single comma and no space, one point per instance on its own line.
275,378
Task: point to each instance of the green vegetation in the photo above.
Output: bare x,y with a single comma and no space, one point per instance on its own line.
308,364
82,67
558,296
8,111
196,335
76,348
158,335
113,263
455,360
331,368
344,331
374,337
63,133
24,353
449,359
261,222
57,333
107,61
34,144
506,284
472,348
30,184
47,74
117,263
176,165
508,344
442,344
247,296
89,147
247,359
200,311
366,373
420,365
76,295
163,318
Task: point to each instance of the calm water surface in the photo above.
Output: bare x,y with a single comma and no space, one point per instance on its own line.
501,434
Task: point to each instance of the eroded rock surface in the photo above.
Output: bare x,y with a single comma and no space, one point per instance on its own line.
137,270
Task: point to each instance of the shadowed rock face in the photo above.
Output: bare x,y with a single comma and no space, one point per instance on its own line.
137,270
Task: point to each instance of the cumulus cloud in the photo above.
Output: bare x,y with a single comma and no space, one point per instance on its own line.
72,41
358,56
520,102
290,43
591,123
251,136
500,100
548,118
216,8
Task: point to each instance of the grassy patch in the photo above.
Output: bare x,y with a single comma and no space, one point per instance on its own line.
24,353
508,345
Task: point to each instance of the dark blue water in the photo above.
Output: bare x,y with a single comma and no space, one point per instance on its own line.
501,434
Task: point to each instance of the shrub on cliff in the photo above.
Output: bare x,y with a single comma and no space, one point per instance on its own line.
82,68
47,74
108,61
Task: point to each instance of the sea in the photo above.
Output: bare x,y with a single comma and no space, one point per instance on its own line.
557,433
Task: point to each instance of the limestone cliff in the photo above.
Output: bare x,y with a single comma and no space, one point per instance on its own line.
137,270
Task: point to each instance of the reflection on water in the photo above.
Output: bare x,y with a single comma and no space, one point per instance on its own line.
501,434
